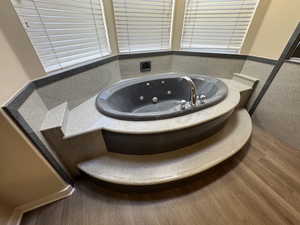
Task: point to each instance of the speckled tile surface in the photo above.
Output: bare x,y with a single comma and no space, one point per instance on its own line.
159,64
55,117
185,162
279,111
77,89
257,70
212,66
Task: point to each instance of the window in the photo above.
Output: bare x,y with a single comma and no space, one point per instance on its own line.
216,25
64,32
143,25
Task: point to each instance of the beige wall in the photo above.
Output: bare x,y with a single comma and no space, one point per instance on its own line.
18,61
17,57
272,26
25,176
5,213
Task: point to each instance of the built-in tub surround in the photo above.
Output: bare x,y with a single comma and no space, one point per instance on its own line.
142,170
217,65
130,67
133,99
94,120
153,143
159,97
78,88
86,125
211,64
259,70
34,112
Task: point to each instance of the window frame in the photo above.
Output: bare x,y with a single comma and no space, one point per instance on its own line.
171,34
209,50
79,62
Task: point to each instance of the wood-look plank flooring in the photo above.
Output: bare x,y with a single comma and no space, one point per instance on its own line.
258,186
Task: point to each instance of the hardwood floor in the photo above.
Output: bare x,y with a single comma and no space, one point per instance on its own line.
258,186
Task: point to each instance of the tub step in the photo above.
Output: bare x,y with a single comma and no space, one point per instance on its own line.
141,170
246,85
56,118
245,79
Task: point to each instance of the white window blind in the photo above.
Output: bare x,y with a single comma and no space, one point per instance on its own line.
216,25
64,32
143,25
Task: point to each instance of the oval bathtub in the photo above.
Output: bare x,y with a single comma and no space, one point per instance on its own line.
123,101
158,97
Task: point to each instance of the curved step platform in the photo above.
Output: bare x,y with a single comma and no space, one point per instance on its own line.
141,170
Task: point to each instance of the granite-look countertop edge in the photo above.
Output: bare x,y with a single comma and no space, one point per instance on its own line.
140,170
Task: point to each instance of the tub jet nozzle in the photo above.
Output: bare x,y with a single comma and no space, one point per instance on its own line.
154,99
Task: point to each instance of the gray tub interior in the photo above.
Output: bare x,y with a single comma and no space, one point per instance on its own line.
133,99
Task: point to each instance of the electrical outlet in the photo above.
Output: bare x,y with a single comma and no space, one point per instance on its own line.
145,66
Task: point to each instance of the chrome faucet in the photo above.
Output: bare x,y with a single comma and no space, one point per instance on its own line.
193,96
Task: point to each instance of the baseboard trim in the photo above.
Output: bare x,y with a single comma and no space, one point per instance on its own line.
17,215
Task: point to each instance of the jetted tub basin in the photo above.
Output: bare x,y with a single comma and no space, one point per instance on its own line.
158,97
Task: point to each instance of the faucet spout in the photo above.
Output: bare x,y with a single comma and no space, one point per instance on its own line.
193,93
